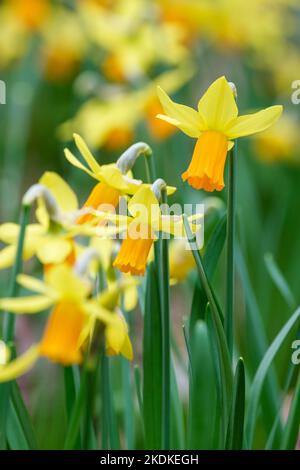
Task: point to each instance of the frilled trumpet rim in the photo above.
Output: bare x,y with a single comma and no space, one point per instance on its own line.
206,170
133,254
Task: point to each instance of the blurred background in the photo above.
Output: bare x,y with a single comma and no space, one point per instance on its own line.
91,67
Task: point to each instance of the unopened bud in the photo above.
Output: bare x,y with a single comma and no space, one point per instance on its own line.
157,187
129,157
39,191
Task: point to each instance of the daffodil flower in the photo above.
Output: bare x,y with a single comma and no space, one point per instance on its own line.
70,322
215,125
112,182
106,249
52,241
141,227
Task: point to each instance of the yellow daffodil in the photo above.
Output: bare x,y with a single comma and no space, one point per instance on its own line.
140,230
107,249
112,182
215,125
70,322
52,241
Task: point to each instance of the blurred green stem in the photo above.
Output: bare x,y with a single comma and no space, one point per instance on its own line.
9,322
165,294
230,249
110,438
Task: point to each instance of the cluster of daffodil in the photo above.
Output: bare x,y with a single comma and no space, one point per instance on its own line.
133,46
71,266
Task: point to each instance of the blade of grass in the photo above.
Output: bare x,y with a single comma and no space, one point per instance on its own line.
258,381
152,363
279,280
291,429
222,348
202,392
128,404
110,435
177,416
77,412
291,375
235,432
259,344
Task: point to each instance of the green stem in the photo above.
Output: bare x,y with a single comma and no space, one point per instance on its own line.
9,319
165,295
230,250
110,438
201,271
73,429
9,322
150,169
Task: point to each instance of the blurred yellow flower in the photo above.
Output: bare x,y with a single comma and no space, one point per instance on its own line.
31,13
280,143
112,123
181,261
71,320
64,44
52,241
215,125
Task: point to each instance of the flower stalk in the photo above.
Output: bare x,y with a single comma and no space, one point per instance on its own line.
229,310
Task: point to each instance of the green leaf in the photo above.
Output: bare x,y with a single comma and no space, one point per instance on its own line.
279,280
224,371
177,415
291,430
235,432
217,334
257,384
202,388
258,343
152,363
128,404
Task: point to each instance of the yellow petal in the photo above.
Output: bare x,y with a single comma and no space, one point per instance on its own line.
24,305
19,366
217,105
126,349
87,155
144,205
115,333
112,176
53,250
252,123
75,162
67,285
130,298
31,283
9,232
185,118
64,195
7,256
